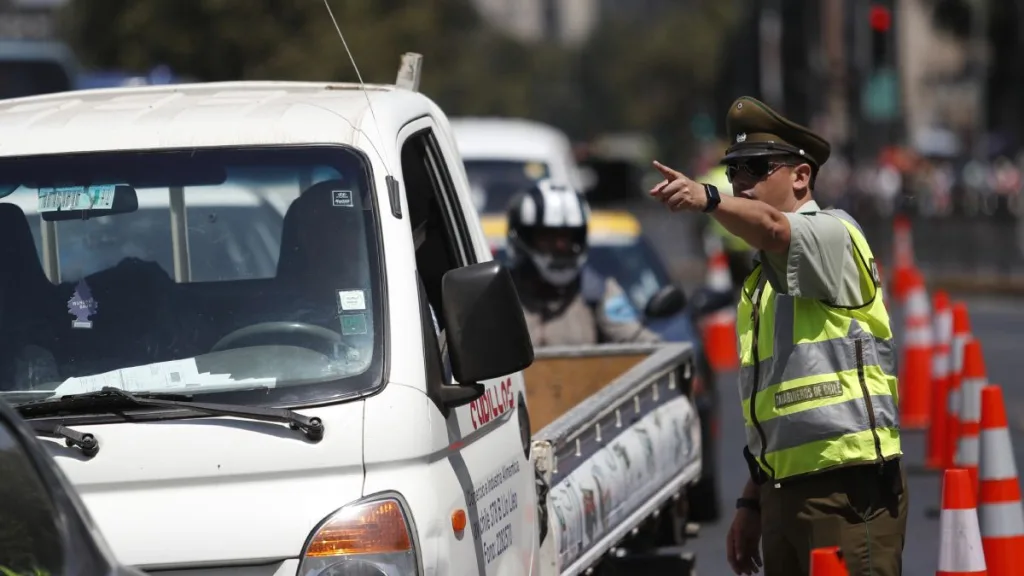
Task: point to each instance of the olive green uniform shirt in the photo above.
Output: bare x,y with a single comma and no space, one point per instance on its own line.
821,263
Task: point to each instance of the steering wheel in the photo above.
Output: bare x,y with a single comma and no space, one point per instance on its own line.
316,338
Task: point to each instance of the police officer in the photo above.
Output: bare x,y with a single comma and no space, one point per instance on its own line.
818,374
565,302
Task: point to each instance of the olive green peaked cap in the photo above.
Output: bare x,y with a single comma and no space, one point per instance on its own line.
754,129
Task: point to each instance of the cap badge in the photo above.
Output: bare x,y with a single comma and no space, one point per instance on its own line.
741,137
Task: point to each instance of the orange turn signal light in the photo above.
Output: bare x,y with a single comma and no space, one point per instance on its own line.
459,520
377,527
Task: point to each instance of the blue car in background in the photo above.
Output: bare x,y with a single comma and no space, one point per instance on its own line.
619,249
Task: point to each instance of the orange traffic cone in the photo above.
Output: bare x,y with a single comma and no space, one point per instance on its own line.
903,256
961,335
960,550
719,329
828,562
1000,513
943,338
971,383
916,370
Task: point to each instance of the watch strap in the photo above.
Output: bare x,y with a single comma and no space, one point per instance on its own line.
750,503
714,198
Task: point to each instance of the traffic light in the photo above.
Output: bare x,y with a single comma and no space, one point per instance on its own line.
880,19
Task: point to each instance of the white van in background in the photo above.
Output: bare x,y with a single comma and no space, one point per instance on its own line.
504,155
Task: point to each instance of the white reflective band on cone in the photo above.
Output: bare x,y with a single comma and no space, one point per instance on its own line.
918,337
1001,520
967,451
960,542
917,304
970,390
996,455
954,402
944,327
957,349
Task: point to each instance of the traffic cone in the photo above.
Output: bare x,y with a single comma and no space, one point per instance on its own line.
971,383
942,317
960,549
719,329
916,367
903,256
961,335
828,562
1000,513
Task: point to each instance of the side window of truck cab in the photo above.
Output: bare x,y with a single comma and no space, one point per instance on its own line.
438,226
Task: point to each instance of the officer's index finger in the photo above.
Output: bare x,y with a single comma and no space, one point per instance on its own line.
668,172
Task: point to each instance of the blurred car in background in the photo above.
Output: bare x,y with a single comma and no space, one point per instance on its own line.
45,529
29,67
618,249
504,156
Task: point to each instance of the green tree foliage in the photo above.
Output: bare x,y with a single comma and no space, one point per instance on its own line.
653,76
642,76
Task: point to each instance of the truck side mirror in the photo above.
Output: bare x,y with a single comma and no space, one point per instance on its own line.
667,301
486,330
707,302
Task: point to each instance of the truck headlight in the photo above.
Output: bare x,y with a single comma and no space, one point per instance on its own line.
372,537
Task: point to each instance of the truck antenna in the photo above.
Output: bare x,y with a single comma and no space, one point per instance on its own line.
362,86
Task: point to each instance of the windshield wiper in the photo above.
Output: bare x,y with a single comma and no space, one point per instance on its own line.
311,426
88,443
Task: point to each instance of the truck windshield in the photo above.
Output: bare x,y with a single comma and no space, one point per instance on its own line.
246,276
495,182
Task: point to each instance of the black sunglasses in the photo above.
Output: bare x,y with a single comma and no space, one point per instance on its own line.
755,168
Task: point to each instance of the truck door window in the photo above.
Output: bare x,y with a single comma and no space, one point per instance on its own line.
434,215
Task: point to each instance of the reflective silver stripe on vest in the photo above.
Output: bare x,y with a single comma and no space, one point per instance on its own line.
790,361
825,423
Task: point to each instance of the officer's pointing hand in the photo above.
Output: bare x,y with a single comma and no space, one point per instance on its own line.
678,192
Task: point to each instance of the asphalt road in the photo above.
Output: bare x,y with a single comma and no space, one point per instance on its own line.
999,324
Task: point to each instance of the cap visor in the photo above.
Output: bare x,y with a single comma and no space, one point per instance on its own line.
748,153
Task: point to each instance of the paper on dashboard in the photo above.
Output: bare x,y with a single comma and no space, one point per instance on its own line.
175,375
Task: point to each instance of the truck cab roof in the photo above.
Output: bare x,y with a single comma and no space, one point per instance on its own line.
205,115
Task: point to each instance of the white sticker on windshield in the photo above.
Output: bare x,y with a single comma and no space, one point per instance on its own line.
341,198
351,299
76,198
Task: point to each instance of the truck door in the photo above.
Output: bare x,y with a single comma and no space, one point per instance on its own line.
488,452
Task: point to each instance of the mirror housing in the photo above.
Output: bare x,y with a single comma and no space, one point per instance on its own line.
484,321
668,301
707,302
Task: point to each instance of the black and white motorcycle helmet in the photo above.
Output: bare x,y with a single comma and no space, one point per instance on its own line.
549,210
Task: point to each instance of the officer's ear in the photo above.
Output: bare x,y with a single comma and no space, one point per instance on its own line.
802,176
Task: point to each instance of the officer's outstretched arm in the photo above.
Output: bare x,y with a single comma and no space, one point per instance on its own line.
618,320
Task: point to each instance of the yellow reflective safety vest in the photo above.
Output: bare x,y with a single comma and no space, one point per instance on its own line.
818,381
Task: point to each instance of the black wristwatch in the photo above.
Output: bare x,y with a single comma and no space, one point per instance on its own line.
750,503
714,199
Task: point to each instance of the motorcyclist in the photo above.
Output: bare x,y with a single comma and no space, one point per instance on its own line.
565,301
